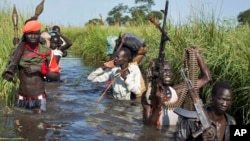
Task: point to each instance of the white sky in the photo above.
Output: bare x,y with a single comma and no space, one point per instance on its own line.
78,12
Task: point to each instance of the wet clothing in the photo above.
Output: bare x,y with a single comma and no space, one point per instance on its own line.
53,65
167,117
38,102
36,57
122,89
41,55
188,126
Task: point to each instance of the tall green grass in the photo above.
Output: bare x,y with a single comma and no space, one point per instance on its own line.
6,34
223,45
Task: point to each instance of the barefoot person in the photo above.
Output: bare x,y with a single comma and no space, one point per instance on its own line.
32,67
168,94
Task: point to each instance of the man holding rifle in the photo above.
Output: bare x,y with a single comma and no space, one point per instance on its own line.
220,121
155,109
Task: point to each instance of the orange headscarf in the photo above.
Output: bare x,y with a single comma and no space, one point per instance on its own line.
31,26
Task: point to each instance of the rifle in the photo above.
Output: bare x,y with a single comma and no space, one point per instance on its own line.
200,113
157,68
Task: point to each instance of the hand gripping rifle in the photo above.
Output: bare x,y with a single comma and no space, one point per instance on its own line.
157,67
200,112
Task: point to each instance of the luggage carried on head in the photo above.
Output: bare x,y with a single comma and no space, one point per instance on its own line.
134,43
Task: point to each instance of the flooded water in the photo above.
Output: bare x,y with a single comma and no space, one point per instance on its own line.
74,115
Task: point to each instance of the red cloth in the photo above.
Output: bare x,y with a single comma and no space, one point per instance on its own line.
43,68
31,26
53,65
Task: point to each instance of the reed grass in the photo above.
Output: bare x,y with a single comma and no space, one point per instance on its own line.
223,45
7,89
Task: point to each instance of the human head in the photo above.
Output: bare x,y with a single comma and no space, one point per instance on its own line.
31,31
56,28
122,56
221,96
55,42
166,73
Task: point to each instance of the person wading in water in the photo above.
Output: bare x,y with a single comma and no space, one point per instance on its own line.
33,65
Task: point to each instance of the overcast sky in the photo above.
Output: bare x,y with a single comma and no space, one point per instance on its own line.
78,12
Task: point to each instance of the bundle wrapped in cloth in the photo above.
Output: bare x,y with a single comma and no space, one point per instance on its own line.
134,43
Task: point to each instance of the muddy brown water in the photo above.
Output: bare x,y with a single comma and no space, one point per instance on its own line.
74,115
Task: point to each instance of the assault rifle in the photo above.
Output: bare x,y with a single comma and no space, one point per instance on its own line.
157,68
200,113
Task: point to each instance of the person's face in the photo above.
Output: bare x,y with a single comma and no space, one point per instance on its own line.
120,58
54,42
166,74
222,100
56,29
33,37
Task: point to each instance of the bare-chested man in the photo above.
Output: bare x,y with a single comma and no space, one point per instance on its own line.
34,64
221,101
166,94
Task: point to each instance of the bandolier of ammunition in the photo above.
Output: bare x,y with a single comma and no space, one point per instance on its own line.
191,64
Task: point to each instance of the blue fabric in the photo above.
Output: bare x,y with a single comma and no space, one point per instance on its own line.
32,104
111,42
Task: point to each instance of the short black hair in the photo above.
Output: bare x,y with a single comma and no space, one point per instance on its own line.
128,53
56,27
220,84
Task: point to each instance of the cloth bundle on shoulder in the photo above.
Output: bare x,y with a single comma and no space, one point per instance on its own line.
136,44
133,42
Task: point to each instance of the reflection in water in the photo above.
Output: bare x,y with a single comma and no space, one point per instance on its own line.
35,129
73,114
